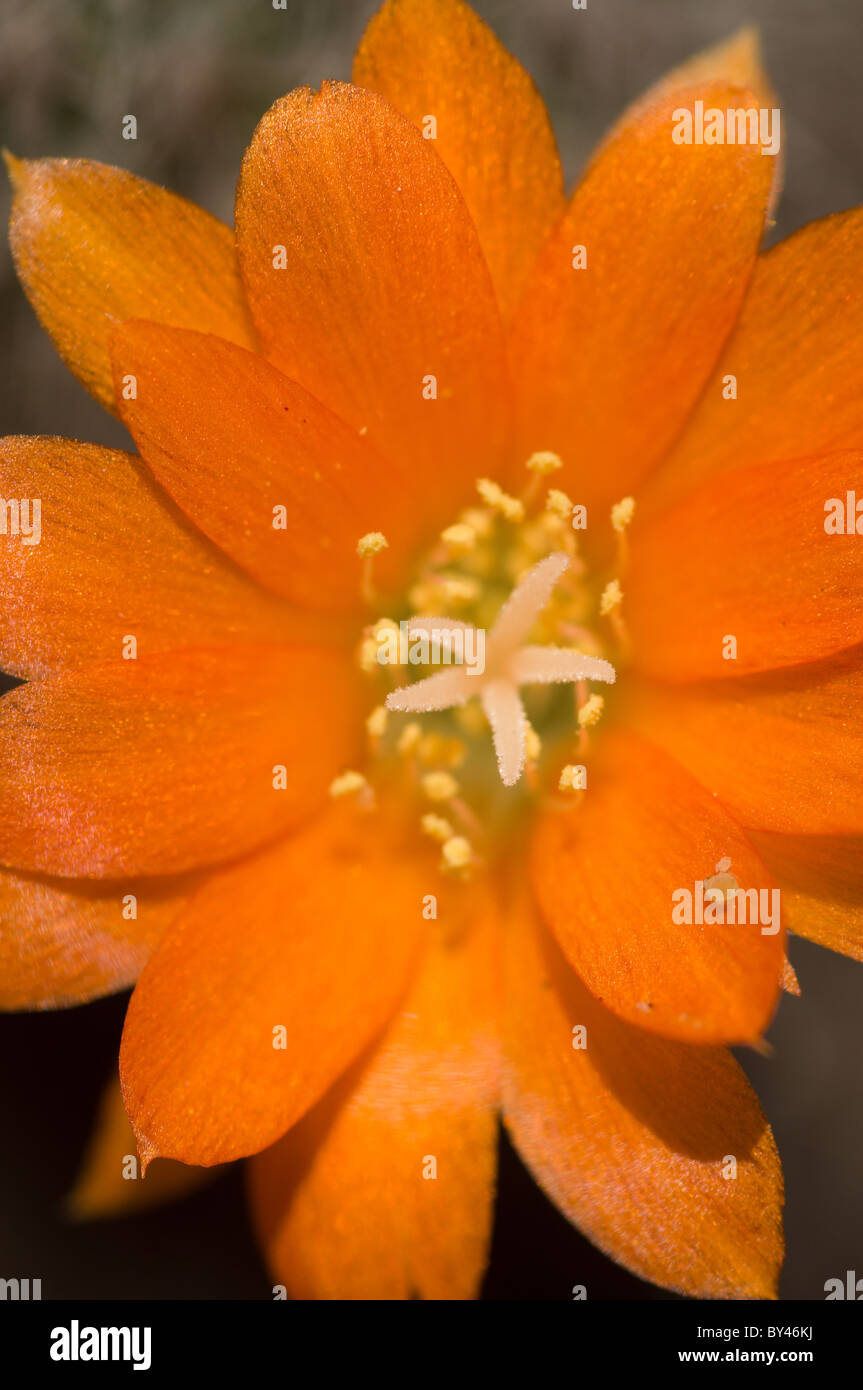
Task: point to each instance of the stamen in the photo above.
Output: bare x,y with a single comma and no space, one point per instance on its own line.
439,786
533,744
571,779
611,597
457,855
622,513
479,521
376,724
454,589
436,749
367,656
590,712
459,539
348,784
555,520
409,738
369,545
386,635
609,607
426,594
510,508
540,465
459,591
544,462
436,827
558,503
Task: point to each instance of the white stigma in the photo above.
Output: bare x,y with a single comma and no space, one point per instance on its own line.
510,662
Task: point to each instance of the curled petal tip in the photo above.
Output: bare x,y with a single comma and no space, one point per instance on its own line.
146,1153
14,167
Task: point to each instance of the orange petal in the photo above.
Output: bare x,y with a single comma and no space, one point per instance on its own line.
491,127
316,937
610,358
64,942
632,1136
748,559
94,244
796,359
165,763
385,1190
736,60
385,286
782,751
114,559
790,982
231,440
110,1182
821,877
604,873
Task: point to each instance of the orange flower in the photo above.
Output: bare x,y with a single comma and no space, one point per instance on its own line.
356,947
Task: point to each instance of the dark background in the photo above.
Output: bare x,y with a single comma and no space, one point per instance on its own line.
198,75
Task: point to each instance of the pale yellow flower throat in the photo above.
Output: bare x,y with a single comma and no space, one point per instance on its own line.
465,678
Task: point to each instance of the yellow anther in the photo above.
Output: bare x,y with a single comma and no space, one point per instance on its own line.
533,537
435,748
556,530
454,589
558,503
591,711
437,827
457,590
371,544
387,642
544,462
622,513
510,508
409,738
368,656
533,745
439,786
456,854
347,784
571,778
376,724
425,596
479,521
610,598
459,539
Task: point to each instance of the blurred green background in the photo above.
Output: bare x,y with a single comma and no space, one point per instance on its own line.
198,75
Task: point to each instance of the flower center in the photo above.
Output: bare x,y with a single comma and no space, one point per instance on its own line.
479,679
